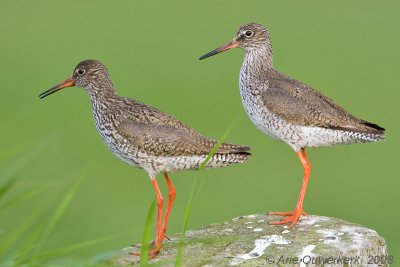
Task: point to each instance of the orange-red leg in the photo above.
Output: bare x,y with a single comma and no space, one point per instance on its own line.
172,194
159,233
159,236
293,217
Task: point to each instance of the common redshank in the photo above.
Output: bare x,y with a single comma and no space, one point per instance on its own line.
145,137
289,110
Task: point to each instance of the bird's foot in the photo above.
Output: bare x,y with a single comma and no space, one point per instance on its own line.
152,253
290,217
151,244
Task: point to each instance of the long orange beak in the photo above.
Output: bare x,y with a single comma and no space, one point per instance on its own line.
232,44
67,83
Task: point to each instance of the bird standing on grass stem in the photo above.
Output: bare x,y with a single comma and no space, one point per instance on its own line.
145,137
289,110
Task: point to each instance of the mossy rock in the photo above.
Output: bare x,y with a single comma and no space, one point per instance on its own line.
251,241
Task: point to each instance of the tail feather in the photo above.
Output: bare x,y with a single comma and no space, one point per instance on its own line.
376,129
374,132
364,131
368,137
227,148
227,159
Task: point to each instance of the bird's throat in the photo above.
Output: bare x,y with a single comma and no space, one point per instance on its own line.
102,97
256,65
257,61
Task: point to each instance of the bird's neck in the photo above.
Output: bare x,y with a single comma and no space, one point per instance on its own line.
258,61
102,96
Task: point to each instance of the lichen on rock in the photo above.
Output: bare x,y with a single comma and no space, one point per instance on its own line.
251,241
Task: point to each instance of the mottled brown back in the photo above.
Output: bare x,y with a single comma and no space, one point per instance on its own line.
154,131
300,104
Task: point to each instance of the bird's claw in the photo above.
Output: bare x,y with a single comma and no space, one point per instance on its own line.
151,244
152,253
291,217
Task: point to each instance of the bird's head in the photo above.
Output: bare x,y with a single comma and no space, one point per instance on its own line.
89,74
250,37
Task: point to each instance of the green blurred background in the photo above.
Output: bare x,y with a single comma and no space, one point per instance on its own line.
346,49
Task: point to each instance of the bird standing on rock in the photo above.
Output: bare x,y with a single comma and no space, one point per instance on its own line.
145,137
289,110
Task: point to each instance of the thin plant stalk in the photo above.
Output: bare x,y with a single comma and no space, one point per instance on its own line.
194,194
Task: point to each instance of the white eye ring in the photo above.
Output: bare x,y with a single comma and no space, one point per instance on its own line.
248,33
81,71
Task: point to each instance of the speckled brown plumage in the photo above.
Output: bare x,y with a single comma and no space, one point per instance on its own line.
286,108
289,110
299,104
145,137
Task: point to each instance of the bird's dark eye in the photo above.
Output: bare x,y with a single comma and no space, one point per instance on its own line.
248,33
81,71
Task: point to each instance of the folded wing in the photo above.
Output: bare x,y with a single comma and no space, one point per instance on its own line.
300,104
165,136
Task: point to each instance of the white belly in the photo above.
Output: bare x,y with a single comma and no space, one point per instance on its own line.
264,120
296,136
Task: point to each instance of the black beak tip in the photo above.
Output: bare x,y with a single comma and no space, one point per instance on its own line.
48,92
205,56
44,94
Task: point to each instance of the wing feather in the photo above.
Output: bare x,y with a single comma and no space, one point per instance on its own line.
155,132
300,104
